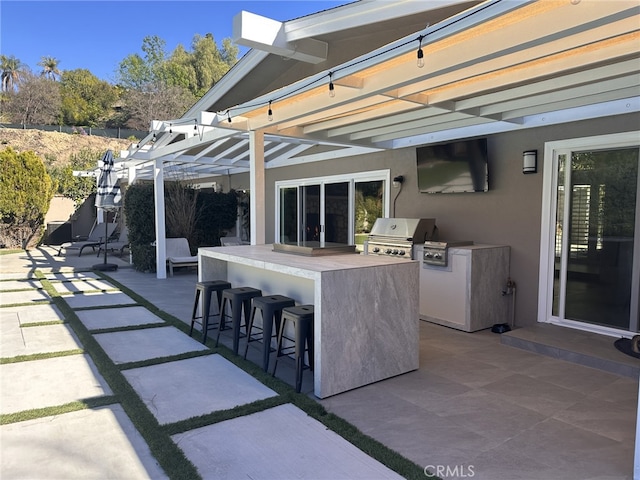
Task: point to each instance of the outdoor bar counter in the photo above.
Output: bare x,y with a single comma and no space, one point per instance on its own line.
366,307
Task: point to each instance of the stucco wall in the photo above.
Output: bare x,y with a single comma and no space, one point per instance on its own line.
509,214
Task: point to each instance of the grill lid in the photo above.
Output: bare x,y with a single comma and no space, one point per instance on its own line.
416,230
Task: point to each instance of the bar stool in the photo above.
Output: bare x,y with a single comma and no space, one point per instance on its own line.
238,300
302,318
207,289
271,308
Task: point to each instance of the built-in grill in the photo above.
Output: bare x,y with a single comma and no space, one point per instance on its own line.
396,237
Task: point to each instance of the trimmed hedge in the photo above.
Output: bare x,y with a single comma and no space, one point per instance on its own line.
215,215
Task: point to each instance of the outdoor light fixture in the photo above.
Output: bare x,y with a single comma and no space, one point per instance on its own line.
420,52
332,90
195,126
398,181
530,161
170,129
228,116
270,113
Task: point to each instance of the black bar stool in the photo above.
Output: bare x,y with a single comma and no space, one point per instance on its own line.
302,318
238,300
207,289
271,307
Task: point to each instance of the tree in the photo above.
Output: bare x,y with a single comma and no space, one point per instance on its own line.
77,188
160,88
12,70
160,102
37,101
49,67
26,190
86,100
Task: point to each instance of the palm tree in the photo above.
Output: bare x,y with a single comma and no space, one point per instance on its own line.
11,69
49,67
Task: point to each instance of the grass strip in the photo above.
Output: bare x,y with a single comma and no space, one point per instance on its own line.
161,360
287,394
169,456
222,415
34,413
40,356
42,324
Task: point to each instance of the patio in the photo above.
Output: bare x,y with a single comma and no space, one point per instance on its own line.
476,407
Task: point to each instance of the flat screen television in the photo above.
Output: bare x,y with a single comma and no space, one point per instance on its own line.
453,167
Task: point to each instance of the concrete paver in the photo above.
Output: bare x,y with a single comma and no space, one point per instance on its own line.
94,444
99,299
183,389
41,339
280,442
49,382
27,296
43,312
137,345
19,284
85,285
117,317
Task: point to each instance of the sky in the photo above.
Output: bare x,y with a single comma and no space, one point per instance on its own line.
98,34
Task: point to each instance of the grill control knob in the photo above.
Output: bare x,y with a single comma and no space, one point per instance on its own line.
388,251
437,255
376,249
428,255
395,251
401,252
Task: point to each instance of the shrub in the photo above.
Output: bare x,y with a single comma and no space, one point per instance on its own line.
214,214
26,190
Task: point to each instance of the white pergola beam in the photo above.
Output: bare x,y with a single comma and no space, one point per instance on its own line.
262,33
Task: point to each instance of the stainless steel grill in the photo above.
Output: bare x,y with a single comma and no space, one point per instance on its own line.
437,253
396,237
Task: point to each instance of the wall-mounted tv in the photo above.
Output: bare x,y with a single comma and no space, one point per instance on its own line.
453,167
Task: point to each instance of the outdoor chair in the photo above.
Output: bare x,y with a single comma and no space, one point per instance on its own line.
118,245
179,254
95,238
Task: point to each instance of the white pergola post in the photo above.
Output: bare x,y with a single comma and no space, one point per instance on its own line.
161,244
256,187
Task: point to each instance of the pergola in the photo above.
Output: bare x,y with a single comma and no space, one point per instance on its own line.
495,67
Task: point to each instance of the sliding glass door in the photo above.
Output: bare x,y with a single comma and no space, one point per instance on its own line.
331,210
595,244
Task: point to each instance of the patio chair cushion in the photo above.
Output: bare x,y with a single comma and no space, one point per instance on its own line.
179,254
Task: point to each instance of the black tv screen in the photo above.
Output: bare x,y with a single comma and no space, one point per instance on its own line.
453,167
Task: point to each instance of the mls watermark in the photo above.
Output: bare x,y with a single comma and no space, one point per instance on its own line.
444,471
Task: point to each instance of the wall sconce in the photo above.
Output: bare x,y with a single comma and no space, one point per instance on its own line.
530,161
398,181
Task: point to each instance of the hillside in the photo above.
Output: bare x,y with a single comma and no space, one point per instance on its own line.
56,148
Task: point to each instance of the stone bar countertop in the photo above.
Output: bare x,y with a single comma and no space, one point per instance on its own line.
366,307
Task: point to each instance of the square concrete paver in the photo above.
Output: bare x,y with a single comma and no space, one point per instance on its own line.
147,343
281,442
175,391
19,284
40,339
88,444
25,296
49,382
117,317
98,299
36,313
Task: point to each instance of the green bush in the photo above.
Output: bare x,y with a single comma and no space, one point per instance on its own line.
26,190
215,215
